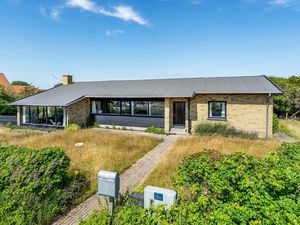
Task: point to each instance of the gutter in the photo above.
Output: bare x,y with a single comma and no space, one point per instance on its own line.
267,115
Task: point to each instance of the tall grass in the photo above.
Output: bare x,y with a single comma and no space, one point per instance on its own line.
164,173
290,127
101,150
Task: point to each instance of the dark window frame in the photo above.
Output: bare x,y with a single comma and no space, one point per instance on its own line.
217,117
131,100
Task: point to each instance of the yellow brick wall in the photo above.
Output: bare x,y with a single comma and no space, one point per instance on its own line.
78,112
245,112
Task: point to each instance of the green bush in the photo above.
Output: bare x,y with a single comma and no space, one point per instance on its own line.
6,109
222,129
155,130
226,189
275,123
90,122
73,127
35,186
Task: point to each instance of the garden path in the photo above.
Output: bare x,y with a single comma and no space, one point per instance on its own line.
130,179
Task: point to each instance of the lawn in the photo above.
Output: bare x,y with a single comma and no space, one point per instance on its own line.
101,150
165,172
290,127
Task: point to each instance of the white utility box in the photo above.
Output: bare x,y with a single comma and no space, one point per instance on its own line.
108,184
159,196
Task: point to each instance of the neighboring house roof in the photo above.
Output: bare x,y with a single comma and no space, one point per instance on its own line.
5,83
158,88
18,88
10,87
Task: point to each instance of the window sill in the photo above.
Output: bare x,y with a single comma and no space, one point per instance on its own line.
217,119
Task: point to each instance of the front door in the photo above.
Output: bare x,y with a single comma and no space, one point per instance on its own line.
179,114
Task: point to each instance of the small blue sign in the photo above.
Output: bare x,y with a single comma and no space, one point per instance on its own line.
158,196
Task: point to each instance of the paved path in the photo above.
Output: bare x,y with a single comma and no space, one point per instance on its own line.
130,179
284,137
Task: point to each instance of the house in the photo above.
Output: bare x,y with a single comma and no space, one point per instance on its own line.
244,102
15,89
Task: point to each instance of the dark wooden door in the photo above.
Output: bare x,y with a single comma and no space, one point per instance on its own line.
179,113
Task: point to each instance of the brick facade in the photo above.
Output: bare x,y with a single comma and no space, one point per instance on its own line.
245,112
78,112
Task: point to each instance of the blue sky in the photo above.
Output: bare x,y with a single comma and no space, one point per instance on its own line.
135,39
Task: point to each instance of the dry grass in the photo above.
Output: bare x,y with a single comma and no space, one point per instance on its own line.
164,173
102,150
291,127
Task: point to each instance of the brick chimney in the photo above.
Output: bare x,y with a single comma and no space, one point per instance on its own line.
67,79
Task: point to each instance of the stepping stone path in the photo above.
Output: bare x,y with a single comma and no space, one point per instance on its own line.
130,179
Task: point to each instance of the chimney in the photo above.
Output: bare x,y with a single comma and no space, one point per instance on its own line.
67,79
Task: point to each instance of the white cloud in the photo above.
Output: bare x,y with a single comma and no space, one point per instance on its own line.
83,4
123,12
280,2
113,33
292,4
55,13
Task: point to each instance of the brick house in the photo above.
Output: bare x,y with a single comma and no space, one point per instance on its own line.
173,104
15,89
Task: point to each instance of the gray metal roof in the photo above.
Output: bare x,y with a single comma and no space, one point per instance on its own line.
159,88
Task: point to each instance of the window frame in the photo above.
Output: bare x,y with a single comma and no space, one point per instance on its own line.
217,117
131,100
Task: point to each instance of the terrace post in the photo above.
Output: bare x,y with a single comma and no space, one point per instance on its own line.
18,115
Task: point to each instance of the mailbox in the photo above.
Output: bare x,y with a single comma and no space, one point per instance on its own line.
108,184
159,196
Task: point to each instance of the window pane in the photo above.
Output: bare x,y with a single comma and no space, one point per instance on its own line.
42,115
96,107
141,108
25,114
110,106
59,116
126,108
157,108
217,109
51,115
33,114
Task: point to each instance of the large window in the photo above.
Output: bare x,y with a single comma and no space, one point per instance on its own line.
34,114
109,106
43,115
96,107
126,107
156,108
140,107
25,114
217,110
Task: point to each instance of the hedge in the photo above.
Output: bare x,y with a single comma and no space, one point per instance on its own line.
35,186
225,189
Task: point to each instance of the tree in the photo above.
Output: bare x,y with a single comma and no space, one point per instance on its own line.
58,85
5,99
288,104
28,91
18,82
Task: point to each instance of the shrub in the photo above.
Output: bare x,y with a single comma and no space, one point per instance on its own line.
227,189
34,185
73,127
6,109
90,122
155,130
222,129
275,123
